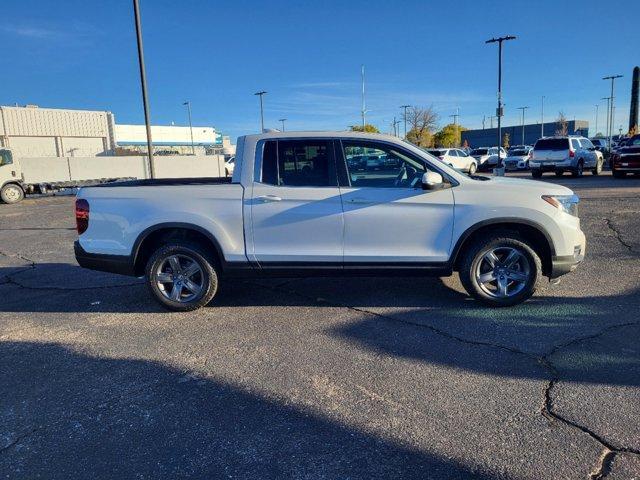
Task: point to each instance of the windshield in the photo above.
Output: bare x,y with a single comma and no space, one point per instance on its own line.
5,157
519,153
552,144
479,151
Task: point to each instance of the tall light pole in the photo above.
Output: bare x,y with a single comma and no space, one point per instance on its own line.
483,119
188,104
261,93
282,120
363,111
491,117
395,125
523,109
499,111
542,118
404,115
597,107
613,79
143,84
606,132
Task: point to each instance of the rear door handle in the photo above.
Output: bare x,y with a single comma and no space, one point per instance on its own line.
269,198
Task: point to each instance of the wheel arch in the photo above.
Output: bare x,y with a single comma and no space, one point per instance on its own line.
151,238
534,233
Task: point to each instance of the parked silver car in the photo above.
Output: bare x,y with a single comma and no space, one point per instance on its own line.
518,157
561,154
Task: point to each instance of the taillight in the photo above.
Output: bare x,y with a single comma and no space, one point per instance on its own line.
572,153
82,215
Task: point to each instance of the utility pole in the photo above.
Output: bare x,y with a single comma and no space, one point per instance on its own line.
597,106
455,123
542,118
405,119
613,79
261,93
363,112
491,117
282,120
395,125
499,110
143,84
483,119
523,109
188,104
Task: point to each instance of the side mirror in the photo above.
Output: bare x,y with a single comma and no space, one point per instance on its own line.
432,181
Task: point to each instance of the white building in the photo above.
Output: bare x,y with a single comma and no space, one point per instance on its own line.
51,132
168,139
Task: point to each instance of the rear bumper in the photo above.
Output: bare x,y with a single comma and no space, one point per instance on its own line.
121,264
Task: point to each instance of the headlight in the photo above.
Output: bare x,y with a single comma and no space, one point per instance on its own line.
566,203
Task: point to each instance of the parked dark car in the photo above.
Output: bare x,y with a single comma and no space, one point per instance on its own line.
626,159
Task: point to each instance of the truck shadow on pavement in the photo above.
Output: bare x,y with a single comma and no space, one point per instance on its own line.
66,414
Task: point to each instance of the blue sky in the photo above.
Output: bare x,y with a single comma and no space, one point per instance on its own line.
307,55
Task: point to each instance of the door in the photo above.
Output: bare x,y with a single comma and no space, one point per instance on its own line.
388,217
296,209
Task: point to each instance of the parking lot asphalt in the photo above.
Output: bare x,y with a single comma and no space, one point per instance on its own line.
320,378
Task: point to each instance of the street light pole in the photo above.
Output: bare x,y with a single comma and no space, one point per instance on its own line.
188,104
523,109
542,118
260,94
613,79
282,120
405,119
364,108
143,84
455,123
499,111
597,106
606,132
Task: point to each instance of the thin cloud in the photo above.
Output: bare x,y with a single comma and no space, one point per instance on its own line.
39,32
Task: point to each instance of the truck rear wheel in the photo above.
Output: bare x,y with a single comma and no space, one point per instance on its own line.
182,276
11,193
500,270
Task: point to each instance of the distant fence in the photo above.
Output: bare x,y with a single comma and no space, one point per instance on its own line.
65,169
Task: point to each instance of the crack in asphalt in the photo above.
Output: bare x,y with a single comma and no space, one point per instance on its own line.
611,226
543,360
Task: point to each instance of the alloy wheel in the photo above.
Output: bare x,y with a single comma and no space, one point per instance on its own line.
180,278
503,272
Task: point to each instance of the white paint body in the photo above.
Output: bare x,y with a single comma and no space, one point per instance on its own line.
457,158
253,221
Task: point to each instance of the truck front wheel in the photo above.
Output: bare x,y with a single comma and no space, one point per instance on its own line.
500,270
11,193
182,276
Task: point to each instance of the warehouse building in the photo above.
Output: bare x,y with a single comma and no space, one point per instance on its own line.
31,131
168,140
50,132
488,137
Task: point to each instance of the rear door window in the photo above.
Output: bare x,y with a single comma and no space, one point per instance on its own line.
299,163
552,144
574,144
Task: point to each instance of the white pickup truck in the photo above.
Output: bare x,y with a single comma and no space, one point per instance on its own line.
298,205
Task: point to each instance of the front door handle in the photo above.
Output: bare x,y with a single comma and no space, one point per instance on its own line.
359,200
269,198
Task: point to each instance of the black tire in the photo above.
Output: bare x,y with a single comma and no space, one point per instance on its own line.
207,277
473,257
578,170
472,168
619,174
598,169
559,173
11,193
536,173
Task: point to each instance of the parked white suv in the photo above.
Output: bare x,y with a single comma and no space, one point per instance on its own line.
296,206
456,158
487,157
562,154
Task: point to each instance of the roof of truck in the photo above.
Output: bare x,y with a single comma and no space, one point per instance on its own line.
325,134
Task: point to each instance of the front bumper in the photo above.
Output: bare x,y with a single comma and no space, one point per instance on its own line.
561,265
121,264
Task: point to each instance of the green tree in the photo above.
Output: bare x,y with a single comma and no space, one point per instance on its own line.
448,136
422,138
368,128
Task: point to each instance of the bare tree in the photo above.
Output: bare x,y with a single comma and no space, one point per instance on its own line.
422,122
562,126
